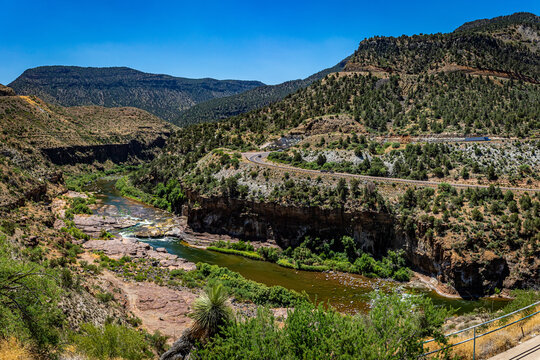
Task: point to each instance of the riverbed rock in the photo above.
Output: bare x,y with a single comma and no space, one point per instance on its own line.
74,194
94,224
175,232
117,248
146,233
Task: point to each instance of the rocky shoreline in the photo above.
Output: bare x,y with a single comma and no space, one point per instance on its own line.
173,226
120,247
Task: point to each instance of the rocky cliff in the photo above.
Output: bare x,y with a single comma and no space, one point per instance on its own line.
375,233
117,153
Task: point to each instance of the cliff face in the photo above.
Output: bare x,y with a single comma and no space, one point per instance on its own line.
470,276
289,225
116,153
376,233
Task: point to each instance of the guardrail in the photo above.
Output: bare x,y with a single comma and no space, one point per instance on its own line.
259,158
475,336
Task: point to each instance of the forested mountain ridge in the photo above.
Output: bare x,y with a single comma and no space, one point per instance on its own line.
468,82
162,95
395,88
416,100
221,108
507,45
524,18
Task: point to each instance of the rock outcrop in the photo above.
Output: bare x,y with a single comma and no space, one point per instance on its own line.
374,232
6,91
93,225
117,248
117,153
289,225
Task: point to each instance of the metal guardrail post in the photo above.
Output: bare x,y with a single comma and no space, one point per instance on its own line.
474,345
473,339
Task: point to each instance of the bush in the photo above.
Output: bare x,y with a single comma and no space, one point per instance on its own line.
242,288
112,341
394,329
8,227
242,246
268,253
522,298
249,254
286,263
28,302
80,206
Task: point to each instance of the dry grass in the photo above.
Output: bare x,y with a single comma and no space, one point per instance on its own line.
12,349
496,342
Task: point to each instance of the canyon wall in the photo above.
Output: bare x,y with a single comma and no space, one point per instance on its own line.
116,153
374,232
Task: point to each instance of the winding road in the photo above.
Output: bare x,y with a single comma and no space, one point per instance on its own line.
260,158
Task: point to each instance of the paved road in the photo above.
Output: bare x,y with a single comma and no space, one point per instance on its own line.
260,158
529,350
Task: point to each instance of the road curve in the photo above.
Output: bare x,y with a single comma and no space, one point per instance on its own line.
259,158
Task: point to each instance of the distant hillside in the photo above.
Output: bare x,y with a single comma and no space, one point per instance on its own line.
161,95
508,45
36,136
31,121
500,21
483,80
221,108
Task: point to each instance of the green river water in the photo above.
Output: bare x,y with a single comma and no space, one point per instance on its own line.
346,292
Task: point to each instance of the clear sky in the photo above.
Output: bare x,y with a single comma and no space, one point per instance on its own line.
271,41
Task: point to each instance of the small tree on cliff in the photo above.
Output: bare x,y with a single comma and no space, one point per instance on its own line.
321,160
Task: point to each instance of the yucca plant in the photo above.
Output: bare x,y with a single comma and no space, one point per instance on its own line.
211,311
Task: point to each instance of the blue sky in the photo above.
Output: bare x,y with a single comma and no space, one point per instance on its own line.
271,41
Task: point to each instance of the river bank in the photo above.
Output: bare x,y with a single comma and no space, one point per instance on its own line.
346,292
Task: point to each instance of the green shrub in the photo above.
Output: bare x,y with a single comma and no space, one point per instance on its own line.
80,206
104,297
268,253
394,329
28,301
249,254
76,233
112,341
8,227
286,263
522,298
242,288
242,246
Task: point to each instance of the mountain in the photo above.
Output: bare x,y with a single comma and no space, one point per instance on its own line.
507,45
483,80
224,107
162,95
394,110
524,18
36,133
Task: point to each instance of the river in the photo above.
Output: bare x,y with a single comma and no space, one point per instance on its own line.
346,292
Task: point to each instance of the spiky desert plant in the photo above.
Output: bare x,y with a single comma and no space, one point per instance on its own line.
210,311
